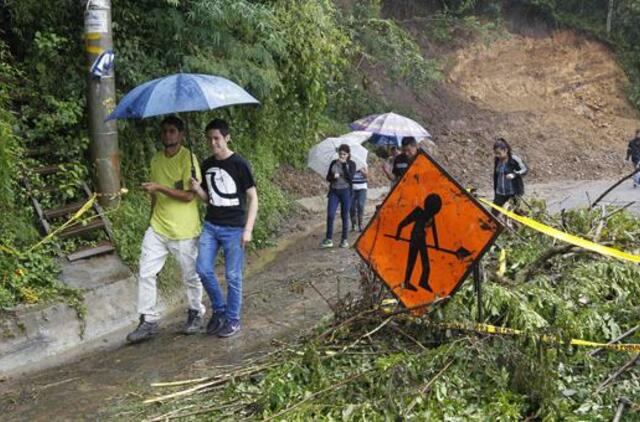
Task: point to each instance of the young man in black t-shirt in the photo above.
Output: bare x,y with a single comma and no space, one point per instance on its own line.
230,192
401,162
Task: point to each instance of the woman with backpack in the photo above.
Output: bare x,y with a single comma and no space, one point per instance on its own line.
508,170
340,178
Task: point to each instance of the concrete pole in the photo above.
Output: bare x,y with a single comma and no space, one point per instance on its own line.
610,17
101,100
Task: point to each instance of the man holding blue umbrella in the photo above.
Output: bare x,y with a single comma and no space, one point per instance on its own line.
174,228
178,93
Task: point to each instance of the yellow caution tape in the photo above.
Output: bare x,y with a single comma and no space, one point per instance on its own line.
75,217
502,262
492,329
565,237
387,304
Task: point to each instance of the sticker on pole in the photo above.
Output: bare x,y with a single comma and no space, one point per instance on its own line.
426,235
96,21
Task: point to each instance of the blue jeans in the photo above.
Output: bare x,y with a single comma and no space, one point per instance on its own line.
342,197
212,238
358,201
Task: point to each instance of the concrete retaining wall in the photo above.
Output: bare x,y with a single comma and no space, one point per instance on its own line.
36,337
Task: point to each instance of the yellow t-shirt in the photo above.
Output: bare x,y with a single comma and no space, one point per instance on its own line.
172,218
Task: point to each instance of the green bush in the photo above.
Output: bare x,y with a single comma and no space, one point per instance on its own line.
296,57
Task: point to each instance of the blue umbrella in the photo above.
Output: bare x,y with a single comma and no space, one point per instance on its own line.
180,93
177,93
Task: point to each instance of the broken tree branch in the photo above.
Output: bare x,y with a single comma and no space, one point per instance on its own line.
179,383
329,304
622,208
619,372
535,266
427,387
413,339
318,393
612,187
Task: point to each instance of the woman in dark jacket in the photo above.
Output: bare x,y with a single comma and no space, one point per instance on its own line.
508,170
340,177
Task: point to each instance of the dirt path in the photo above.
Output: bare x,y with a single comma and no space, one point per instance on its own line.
279,304
576,194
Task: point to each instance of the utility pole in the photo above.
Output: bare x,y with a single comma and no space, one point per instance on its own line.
101,100
610,17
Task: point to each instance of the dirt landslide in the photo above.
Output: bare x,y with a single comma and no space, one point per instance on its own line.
559,99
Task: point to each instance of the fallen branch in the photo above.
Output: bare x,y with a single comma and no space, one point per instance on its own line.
427,387
175,415
622,208
612,187
401,332
179,383
345,322
218,380
368,334
186,392
619,372
420,307
167,415
318,393
535,266
329,304
55,384
601,223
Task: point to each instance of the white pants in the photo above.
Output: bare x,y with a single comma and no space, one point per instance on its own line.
155,249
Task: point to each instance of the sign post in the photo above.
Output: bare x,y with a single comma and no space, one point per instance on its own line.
477,279
427,236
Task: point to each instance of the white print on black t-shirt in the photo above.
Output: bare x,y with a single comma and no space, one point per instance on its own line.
223,191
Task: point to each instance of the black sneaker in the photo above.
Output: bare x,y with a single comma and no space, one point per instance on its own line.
144,331
194,322
230,328
215,323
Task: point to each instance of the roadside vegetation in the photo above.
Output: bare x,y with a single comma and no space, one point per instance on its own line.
295,57
373,361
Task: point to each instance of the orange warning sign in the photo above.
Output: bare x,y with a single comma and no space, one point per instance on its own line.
426,235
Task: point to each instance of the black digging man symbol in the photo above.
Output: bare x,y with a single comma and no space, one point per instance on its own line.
423,218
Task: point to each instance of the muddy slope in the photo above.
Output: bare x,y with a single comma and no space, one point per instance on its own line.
558,98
